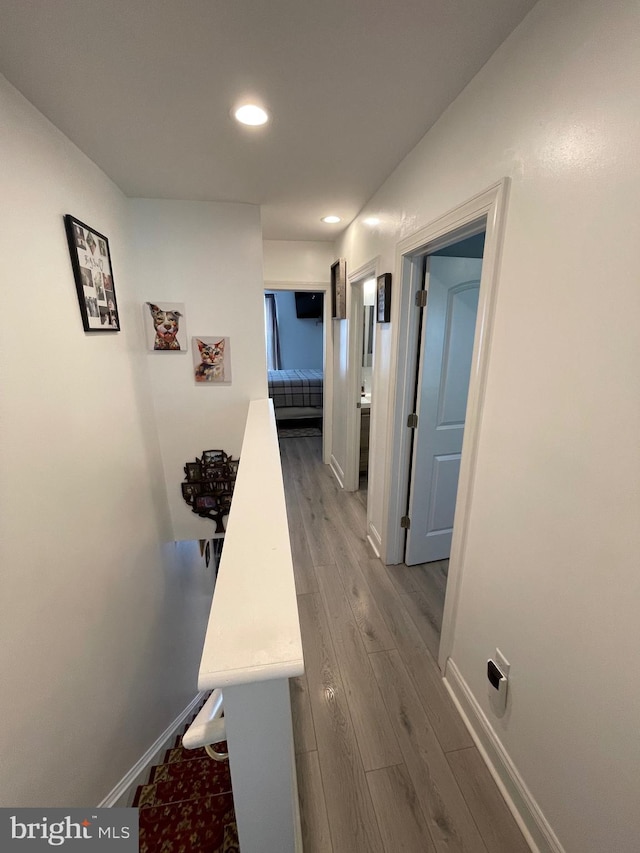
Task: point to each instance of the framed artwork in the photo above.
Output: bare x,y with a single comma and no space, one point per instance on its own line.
210,457
165,326
190,490
212,360
205,502
193,470
93,274
383,298
339,289
215,472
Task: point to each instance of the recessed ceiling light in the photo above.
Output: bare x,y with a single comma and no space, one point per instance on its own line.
372,220
251,114
330,220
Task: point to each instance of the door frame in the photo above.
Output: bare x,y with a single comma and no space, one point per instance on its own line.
356,280
485,211
327,352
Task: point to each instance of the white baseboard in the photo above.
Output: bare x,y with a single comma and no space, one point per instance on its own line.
375,540
124,792
337,471
527,813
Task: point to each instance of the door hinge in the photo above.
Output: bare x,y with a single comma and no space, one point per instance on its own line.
405,522
412,421
421,298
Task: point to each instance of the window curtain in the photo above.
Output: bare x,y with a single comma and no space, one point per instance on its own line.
274,361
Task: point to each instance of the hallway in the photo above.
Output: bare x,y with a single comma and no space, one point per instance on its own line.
384,761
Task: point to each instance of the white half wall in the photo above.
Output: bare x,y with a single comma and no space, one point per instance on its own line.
102,616
208,256
550,574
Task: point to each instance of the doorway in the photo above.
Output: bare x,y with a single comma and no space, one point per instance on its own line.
365,347
302,313
483,212
360,400
449,300
447,322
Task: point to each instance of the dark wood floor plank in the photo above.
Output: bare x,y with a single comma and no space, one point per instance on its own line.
448,817
316,835
400,818
343,543
345,550
423,590
432,577
373,627
389,606
376,739
497,825
304,574
349,807
426,612
423,669
349,511
402,577
304,734
347,529
310,505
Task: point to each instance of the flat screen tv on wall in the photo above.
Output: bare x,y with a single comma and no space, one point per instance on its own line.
309,305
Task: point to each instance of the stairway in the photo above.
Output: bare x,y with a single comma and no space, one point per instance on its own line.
187,805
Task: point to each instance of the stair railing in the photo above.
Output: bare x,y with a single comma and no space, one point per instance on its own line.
253,647
208,728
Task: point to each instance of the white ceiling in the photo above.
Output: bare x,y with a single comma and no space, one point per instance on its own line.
145,89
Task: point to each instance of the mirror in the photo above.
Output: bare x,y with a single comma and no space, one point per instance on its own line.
367,338
368,331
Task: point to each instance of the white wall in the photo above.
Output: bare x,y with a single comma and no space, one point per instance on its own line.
208,256
297,260
551,570
301,339
101,615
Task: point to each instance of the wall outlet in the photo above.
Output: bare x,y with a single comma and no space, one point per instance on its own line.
498,676
502,662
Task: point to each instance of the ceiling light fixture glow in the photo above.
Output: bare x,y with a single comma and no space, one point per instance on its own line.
252,115
372,220
330,220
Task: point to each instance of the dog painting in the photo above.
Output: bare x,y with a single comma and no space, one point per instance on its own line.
165,326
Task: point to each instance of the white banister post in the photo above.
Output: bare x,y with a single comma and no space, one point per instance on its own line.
262,762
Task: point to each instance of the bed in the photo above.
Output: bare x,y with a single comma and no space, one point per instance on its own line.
296,393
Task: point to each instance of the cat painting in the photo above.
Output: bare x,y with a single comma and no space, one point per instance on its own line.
211,360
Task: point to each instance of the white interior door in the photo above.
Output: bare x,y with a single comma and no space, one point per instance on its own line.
446,349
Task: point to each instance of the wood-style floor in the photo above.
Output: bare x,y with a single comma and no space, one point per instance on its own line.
384,761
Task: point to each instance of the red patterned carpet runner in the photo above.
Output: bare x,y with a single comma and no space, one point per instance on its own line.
187,807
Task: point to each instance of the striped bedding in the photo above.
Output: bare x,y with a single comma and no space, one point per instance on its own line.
295,388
